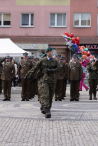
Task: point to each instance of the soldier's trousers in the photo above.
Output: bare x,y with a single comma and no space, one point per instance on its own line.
7,89
33,87
25,88
93,86
46,92
40,92
0,85
59,89
64,88
74,89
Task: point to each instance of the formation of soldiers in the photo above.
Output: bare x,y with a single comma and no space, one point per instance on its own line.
47,77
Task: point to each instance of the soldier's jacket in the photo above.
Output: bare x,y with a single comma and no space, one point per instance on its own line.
93,71
61,75
8,71
75,71
44,63
24,67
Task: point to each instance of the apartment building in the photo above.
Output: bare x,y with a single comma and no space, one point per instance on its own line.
36,24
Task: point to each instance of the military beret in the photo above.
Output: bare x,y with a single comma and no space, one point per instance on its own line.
74,56
7,57
36,59
40,55
63,58
48,49
29,57
43,55
58,56
25,54
32,57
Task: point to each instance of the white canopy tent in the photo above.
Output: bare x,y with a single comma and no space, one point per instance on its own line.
7,47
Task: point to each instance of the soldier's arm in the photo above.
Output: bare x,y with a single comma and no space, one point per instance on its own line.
34,69
64,67
67,71
31,65
19,68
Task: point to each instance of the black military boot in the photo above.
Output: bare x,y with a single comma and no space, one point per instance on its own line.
63,98
4,99
55,99
90,98
60,99
27,99
47,114
95,98
23,99
42,110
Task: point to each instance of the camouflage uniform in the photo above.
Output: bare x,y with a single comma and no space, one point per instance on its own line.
49,68
92,79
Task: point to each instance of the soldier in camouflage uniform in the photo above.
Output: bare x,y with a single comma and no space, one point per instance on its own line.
93,70
49,67
40,89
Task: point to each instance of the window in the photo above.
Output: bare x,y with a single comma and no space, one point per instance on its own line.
82,19
27,20
0,19
5,20
97,24
58,20
97,3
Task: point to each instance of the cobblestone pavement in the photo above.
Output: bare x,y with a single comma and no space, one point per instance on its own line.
72,123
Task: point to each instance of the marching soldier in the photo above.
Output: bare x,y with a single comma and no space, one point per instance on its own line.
75,75
93,70
49,67
8,73
24,66
60,81
39,76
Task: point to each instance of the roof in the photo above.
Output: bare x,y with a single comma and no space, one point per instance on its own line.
51,40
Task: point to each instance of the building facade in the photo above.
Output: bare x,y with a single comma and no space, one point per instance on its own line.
84,23
36,24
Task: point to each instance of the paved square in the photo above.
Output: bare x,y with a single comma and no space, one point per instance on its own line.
72,123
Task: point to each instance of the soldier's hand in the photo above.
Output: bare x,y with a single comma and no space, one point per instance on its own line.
25,78
48,69
30,76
